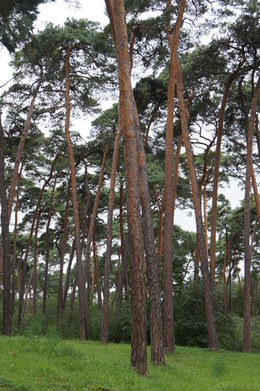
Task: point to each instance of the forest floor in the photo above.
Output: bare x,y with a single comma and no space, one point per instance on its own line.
39,363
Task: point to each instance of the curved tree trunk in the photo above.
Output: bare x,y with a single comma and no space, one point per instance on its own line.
104,332
247,247
212,336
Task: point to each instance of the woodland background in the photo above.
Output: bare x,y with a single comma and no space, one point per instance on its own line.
87,223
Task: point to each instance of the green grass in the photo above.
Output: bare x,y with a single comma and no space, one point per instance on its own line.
39,363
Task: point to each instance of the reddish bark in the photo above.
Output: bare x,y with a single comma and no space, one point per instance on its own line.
126,113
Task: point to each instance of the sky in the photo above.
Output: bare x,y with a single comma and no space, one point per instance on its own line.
57,12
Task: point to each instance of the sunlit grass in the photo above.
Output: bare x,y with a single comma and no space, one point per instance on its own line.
39,363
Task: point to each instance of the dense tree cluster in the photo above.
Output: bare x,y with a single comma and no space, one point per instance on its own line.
90,222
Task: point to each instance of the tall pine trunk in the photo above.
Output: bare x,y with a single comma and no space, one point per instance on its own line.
126,115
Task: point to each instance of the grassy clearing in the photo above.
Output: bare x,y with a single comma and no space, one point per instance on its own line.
40,363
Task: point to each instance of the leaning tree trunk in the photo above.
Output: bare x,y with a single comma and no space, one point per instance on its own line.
82,317
126,114
104,332
247,247
212,336
5,241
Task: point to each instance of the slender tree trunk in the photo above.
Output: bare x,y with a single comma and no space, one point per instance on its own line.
197,262
255,296
168,332
212,336
73,248
156,328
224,270
123,274
176,174
35,262
82,317
15,238
5,241
229,82
247,247
126,114
93,221
256,196
20,149
62,254
149,242
160,206
96,272
46,269
105,317
67,280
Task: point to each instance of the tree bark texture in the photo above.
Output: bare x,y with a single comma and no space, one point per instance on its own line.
126,114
